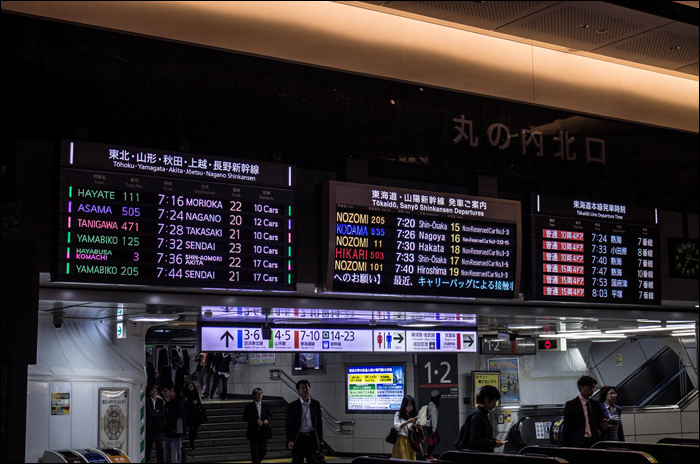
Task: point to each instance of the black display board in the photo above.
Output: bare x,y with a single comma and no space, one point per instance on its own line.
594,251
386,240
148,217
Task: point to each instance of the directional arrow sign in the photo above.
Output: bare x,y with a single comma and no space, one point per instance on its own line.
399,337
227,335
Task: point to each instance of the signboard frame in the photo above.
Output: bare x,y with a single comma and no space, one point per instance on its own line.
483,378
113,402
367,411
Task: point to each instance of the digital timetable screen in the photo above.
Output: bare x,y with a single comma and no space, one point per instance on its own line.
145,217
372,388
385,240
601,252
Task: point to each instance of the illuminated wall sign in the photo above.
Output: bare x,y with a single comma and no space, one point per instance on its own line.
374,388
285,339
494,345
306,340
423,340
601,252
131,216
409,242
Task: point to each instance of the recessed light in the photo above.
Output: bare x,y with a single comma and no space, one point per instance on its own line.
675,47
601,30
583,26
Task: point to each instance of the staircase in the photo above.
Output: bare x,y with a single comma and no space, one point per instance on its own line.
222,439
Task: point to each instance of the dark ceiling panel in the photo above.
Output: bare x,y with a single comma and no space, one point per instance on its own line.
672,46
484,15
693,69
583,25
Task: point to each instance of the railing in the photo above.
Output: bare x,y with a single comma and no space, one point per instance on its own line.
337,426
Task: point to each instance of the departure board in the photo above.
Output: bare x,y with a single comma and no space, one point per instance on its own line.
384,240
588,251
145,217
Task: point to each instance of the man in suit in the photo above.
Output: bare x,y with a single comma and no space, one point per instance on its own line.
583,418
257,413
173,374
155,423
303,425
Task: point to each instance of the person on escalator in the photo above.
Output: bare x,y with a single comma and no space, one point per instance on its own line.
612,412
477,433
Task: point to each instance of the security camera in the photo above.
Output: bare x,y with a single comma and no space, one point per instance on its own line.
58,319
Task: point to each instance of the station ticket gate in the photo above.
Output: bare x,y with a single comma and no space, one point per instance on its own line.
92,455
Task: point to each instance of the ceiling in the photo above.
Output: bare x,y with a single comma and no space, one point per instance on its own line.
662,36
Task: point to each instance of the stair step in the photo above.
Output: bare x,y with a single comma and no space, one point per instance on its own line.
235,456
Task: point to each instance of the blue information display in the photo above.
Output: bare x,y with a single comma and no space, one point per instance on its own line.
372,388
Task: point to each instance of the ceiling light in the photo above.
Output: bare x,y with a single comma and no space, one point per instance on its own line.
683,334
651,329
524,327
153,318
583,26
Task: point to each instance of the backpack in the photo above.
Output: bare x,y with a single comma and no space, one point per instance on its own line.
422,417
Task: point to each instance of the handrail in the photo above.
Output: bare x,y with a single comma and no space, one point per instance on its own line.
278,374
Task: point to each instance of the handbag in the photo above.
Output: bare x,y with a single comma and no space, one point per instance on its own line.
433,439
393,435
265,431
320,458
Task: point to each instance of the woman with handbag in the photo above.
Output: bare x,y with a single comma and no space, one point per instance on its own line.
407,428
257,414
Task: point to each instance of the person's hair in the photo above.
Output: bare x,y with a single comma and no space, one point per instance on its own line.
255,390
585,381
488,391
303,382
168,386
436,399
152,387
603,393
405,402
194,388
175,359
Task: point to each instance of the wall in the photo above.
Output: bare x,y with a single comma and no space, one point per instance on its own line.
79,359
645,426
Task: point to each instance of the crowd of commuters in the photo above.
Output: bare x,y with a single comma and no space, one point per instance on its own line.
179,408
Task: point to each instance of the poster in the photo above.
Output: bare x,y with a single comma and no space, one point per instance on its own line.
60,404
482,378
510,383
113,420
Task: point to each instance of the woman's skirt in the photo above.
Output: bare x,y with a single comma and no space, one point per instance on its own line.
402,449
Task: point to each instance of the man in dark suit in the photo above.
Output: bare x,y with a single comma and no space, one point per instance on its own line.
173,374
155,423
583,418
304,426
257,413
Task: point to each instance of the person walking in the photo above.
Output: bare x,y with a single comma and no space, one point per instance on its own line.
257,414
172,374
405,423
431,426
222,361
205,362
303,425
195,413
155,423
613,413
583,417
175,419
477,433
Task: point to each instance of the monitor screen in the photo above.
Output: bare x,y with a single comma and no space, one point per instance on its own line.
374,388
309,363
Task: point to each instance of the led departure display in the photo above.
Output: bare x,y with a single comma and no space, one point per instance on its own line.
409,242
166,220
595,252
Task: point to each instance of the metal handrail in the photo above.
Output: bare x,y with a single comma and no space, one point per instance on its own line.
278,374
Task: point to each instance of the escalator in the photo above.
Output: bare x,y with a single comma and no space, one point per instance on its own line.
661,380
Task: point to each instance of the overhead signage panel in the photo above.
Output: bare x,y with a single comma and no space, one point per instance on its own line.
396,241
307,340
494,345
422,340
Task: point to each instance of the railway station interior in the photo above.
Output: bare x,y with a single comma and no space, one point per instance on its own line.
458,194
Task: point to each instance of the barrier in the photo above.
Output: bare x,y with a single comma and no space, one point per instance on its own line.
680,441
662,452
476,457
586,455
